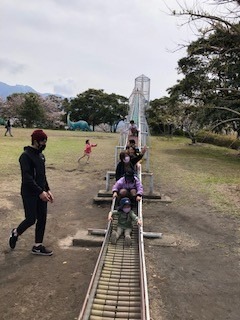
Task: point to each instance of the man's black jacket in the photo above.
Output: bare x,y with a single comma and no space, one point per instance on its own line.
34,181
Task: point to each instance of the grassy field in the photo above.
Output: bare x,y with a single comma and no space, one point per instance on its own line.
214,171
63,147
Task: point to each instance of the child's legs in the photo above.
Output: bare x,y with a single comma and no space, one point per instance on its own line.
128,240
123,193
82,157
133,193
116,234
88,156
127,232
119,231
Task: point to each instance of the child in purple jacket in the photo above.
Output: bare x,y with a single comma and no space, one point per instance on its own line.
128,186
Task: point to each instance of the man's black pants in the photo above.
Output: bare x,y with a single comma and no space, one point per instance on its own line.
35,210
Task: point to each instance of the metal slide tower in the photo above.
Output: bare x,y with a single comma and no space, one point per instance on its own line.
138,104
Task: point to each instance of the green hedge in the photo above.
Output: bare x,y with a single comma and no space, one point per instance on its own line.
2,121
218,139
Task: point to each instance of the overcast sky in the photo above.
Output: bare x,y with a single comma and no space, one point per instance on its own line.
69,46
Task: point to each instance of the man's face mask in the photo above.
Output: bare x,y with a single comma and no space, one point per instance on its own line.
41,147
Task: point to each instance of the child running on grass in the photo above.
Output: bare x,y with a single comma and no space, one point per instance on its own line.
126,217
87,151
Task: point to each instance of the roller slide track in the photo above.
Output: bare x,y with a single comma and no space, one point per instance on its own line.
118,288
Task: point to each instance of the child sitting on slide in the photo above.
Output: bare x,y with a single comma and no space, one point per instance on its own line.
126,217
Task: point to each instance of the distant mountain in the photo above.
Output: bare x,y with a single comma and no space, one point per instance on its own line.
6,90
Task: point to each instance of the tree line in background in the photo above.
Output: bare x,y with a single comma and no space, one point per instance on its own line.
207,96
94,106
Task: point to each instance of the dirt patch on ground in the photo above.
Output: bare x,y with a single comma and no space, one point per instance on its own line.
231,192
193,271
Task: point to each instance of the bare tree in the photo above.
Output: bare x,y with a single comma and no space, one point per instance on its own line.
226,15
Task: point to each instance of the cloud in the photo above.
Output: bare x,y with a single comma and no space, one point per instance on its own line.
70,46
66,87
12,67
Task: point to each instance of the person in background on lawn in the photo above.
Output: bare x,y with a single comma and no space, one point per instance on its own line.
87,151
35,193
9,128
126,217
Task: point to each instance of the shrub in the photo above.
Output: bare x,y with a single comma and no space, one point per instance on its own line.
221,140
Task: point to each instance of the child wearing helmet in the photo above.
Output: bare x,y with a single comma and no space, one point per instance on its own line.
126,217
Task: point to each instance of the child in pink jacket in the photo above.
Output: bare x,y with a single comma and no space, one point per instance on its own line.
87,151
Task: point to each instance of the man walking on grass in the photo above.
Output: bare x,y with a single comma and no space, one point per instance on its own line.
9,128
35,193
